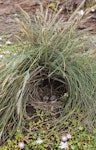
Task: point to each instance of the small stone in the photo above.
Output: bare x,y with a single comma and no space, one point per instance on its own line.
15,15
0,38
1,56
8,42
1,45
92,10
81,12
6,52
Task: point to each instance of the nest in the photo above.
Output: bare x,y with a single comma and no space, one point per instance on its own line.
46,94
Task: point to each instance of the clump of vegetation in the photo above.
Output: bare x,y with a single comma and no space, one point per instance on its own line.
39,137
56,55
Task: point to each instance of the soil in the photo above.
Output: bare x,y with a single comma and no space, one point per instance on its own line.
9,10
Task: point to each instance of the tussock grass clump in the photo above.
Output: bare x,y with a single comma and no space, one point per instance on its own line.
56,55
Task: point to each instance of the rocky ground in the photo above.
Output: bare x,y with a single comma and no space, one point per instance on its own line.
9,11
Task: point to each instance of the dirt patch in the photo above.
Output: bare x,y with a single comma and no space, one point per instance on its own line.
9,11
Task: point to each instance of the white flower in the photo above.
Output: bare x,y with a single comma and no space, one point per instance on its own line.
69,136
1,45
63,145
38,141
6,52
1,56
21,145
8,42
64,138
81,12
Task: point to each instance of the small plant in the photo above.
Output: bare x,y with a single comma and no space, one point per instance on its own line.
79,138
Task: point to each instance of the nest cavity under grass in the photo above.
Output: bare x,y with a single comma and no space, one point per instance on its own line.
54,72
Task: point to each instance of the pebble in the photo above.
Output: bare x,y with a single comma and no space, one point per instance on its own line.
8,42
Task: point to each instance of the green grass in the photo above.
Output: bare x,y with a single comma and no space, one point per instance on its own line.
13,48
55,50
81,138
